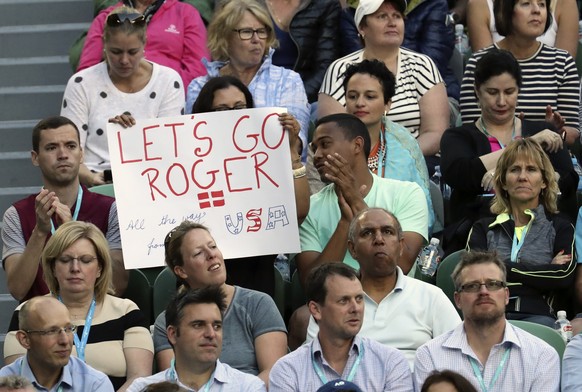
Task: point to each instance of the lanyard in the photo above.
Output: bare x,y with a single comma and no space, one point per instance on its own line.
351,374
484,130
495,376
77,208
174,375
81,344
516,244
59,389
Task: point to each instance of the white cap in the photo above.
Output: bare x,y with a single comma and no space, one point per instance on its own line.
562,314
435,241
367,7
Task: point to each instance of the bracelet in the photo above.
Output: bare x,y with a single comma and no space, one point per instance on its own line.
298,173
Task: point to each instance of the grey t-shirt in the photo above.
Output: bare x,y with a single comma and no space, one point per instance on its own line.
249,315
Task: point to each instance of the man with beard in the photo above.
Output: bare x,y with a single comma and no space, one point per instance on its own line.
399,311
488,351
336,301
29,223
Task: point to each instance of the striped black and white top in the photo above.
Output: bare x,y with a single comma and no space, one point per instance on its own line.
549,77
416,75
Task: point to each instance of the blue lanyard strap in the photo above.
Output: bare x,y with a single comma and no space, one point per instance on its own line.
484,130
81,344
77,208
174,375
479,376
352,372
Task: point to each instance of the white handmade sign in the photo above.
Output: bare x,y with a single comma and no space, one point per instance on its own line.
230,171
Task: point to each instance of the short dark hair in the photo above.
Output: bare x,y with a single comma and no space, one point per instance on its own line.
494,63
203,103
206,295
53,122
503,15
475,257
351,127
460,383
315,289
376,69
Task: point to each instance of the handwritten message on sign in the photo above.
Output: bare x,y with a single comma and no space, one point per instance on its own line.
230,171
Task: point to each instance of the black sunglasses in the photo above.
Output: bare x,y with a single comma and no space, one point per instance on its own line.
118,19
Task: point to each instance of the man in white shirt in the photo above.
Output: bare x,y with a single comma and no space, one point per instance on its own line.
488,351
400,312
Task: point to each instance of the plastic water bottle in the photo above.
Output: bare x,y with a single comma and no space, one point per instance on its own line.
429,258
461,41
578,170
580,31
563,326
282,264
437,178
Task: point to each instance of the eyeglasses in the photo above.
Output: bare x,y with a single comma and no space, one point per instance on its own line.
247,33
224,108
84,259
118,19
53,331
474,287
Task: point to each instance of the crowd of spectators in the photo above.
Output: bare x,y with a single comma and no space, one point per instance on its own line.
379,127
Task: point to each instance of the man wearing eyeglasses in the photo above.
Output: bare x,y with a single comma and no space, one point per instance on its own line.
491,353
46,332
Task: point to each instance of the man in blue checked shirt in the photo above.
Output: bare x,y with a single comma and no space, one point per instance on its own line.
492,354
46,332
336,301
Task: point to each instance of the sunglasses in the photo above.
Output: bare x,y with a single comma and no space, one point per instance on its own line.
118,19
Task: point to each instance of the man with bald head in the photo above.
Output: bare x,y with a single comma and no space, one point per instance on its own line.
46,332
399,311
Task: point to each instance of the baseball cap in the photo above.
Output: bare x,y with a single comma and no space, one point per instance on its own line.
367,7
339,385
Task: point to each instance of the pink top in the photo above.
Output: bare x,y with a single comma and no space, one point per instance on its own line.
176,38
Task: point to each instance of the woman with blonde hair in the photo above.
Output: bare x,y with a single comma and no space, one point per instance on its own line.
241,41
112,333
533,240
118,90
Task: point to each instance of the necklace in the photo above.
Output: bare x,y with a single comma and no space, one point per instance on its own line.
380,149
281,22
484,130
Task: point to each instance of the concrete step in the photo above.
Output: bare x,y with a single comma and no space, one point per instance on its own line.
34,71
27,12
17,171
40,40
16,135
24,103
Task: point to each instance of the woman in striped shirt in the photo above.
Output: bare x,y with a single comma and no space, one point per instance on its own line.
551,87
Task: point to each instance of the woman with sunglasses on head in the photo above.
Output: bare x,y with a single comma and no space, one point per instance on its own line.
228,93
534,241
241,41
254,334
112,333
118,90
176,36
